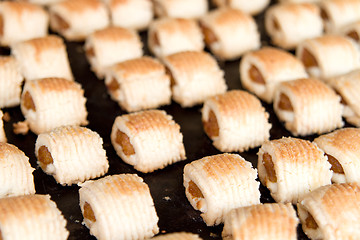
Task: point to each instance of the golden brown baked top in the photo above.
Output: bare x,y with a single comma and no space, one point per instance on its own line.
191,61
54,84
229,16
6,150
139,66
20,8
114,34
79,6
309,87
345,139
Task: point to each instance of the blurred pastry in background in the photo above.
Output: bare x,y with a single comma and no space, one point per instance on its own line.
191,9
252,7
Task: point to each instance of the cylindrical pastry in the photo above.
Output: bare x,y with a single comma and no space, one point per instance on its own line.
328,56
2,131
15,172
339,13
180,8
308,106
83,159
132,14
178,236
262,70
342,147
195,76
352,30
229,33
111,45
261,221
290,24
31,217
331,212
235,121
118,207
75,20
291,167
148,140
252,7
41,2
52,102
171,35
139,84
21,21
216,184
42,57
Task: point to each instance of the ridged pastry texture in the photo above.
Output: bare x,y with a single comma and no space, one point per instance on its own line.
191,9
77,154
331,212
15,172
75,20
343,145
42,57
314,107
292,167
31,217
2,130
122,208
178,236
253,7
139,84
111,45
154,137
21,21
233,33
261,221
240,123
195,77
262,70
56,102
216,184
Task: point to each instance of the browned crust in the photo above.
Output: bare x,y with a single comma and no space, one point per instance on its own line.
114,34
19,8
346,139
139,66
79,6
6,150
55,84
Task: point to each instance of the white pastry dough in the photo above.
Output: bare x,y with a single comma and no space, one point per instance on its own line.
15,172
235,121
42,58
171,35
2,130
53,102
308,106
195,77
123,199
112,45
291,167
216,184
148,140
261,221
331,212
281,19
252,7
329,56
20,21
75,20
139,84
229,33
31,217
180,8
84,158
178,236
261,71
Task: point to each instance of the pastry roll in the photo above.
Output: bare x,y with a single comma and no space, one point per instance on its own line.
338,13
195,76
262,70
123,199
148,140
290,24
20,21
229,33
180,8
75,20
15,172
171,35
43,57
331,212
132,14
41,2
178,236
308,106
139,84
111,45
235,121
216,184
252,7
10,82
2,131
31,217
291,167
84,158
352,30
52,102
261,221
328,56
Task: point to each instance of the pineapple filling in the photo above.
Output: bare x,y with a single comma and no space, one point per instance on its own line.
284,103
195,192
1,26
211,126
310,222
255,75
209,36
123,140
324,15
352,34
335,165
44,157
269,167
89,213
308,59
276,24
60,22
28,102
113,86
90,52
171,76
